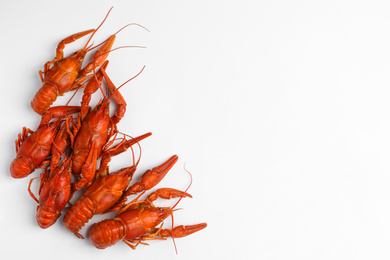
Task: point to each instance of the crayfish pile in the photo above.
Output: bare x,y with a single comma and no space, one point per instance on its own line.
74,145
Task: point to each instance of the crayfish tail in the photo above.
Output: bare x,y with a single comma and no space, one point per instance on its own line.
79,214
46,216
106,233
44,98
21,167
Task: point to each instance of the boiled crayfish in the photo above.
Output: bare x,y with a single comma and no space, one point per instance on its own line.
138,221
61,74
71,140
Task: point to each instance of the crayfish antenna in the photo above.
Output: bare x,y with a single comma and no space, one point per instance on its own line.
74,94
116,34
131,78
186,189
130,25
173,239
137,139
117,48
117,89
98,28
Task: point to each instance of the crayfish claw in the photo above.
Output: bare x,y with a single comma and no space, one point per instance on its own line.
152,177
182,231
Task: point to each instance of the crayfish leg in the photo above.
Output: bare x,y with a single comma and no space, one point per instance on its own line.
92,86
117,97
167,193
22,137
79,235
30,192
137,242
88,170
78,84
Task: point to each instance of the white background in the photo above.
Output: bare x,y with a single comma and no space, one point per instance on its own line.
279,109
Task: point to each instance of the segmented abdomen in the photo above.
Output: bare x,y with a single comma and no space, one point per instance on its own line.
44,98
21,167
46,216
107,233
78,215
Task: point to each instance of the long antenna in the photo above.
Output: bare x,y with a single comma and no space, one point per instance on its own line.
173,239
98,28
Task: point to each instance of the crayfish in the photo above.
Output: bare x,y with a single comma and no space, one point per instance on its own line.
66,74
70,141
94,131
138,221
33,148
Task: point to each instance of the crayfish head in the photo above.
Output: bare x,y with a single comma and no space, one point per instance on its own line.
79,56
99,119
153,216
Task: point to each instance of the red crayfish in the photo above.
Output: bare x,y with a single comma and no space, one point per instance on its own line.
66,74
33,148
138,221
68,148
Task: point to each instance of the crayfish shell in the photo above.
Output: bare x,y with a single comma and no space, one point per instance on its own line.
21,167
